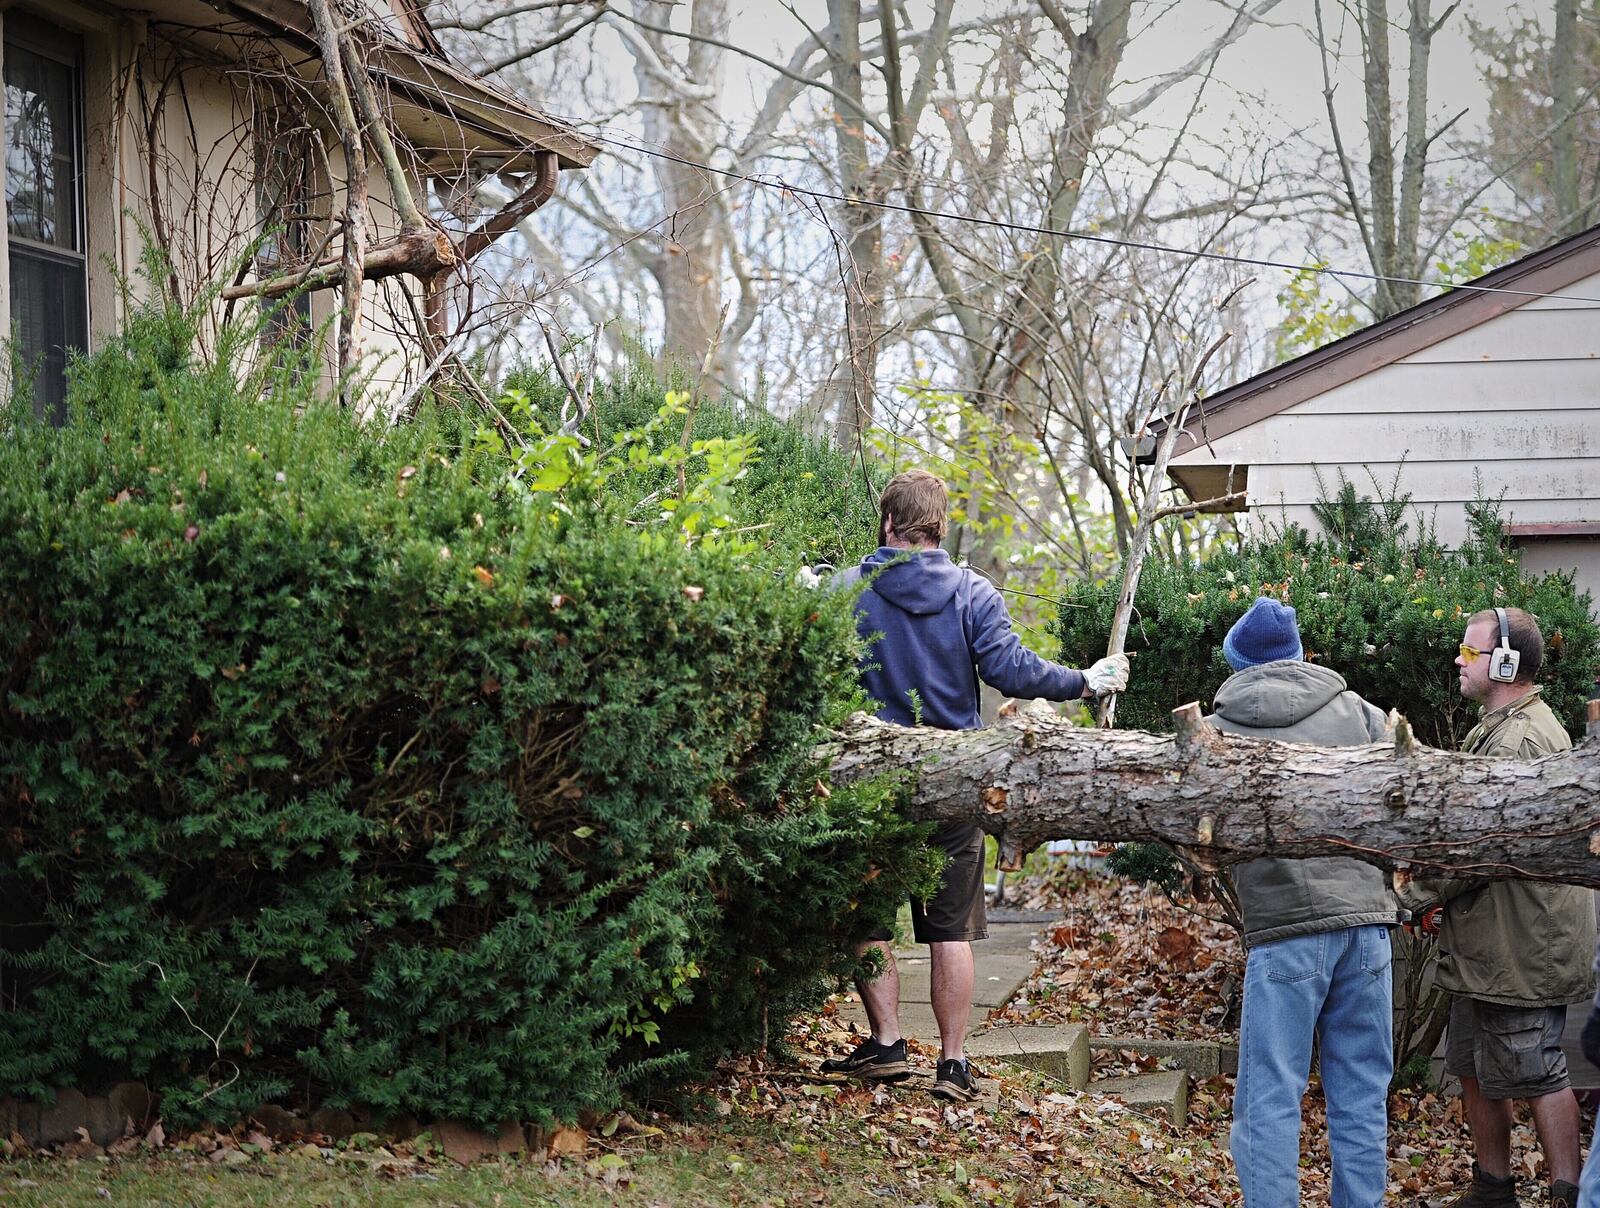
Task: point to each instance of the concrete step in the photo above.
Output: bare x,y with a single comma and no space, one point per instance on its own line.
1006,916
1059,1051
1202,1058
1164,1091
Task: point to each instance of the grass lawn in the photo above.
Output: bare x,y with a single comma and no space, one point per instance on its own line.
762,1141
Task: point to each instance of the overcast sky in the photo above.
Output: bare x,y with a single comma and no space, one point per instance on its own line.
1275,63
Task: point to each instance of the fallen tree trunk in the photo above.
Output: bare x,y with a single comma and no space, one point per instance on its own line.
1224,799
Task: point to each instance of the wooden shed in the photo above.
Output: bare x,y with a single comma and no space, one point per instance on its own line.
1491,392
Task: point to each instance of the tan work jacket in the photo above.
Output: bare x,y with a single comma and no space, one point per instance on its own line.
1519,943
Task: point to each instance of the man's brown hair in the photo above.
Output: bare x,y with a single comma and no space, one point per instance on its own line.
917,502
1526,639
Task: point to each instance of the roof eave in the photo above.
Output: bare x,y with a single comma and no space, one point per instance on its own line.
458,94
1382,343
441,87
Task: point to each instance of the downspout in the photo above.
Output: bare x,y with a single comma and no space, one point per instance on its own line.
546,168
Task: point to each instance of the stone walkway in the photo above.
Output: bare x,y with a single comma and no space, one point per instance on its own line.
1061,1051
1003,964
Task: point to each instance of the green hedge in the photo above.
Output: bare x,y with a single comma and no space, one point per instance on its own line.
331,772
1387,615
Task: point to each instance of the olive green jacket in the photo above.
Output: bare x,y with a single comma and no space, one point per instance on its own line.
1518,943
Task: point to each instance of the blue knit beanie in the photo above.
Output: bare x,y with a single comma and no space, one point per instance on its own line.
1267,633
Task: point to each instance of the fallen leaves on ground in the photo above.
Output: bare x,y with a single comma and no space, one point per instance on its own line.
774,1131
1130,963
1127,961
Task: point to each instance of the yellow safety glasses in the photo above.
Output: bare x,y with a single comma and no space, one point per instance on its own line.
1470,654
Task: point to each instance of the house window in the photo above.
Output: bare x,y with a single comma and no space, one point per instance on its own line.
44,203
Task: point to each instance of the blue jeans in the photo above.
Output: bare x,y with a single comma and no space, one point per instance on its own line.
1335,986
1589,1181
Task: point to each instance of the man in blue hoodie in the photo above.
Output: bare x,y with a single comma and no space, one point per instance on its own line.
943,629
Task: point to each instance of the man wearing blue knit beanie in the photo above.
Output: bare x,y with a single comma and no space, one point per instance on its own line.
1316,934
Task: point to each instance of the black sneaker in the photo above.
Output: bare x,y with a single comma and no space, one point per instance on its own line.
873,1061
1486,1191
955,1081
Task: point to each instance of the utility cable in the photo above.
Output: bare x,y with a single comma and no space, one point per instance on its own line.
772,182
767,180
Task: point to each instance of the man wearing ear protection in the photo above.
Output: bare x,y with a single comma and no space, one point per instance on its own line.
1512,954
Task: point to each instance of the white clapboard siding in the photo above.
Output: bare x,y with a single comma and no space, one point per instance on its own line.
1413,388
1508,409
1565,334
1533,434
1448,524
1556,489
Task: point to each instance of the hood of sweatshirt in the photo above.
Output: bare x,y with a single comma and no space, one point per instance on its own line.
1274,696
920,582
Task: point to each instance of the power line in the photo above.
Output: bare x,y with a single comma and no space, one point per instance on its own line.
772,182
766,180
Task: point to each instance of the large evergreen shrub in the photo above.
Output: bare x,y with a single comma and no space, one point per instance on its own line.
1383,611
333,768
804,501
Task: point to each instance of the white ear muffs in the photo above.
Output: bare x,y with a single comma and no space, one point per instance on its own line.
1503,660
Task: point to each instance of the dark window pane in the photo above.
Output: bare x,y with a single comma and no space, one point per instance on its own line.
48,314
44,216
41,148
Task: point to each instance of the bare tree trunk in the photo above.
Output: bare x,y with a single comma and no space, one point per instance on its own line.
861,263
677,101
353,257
1225,799
1390,216
1413,165
1030,322
1564,94
1380,146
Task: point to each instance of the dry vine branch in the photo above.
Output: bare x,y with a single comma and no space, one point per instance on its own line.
355,154
420,253
1218,502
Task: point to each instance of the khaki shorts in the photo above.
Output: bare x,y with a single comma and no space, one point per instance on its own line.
1513,1052
957,909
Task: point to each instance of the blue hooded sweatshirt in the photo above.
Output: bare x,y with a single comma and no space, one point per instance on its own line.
944,628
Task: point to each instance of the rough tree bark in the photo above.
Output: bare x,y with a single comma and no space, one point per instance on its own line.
1224,799
861,268
678,108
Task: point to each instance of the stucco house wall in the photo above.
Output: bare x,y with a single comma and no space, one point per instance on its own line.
173,104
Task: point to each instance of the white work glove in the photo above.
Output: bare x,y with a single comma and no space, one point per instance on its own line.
1108,675
806,577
